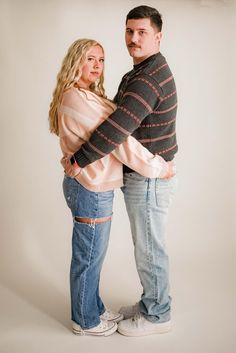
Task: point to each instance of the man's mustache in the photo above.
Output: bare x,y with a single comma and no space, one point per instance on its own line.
132,45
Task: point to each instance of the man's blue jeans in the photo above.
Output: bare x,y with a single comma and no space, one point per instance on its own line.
89,245
147,202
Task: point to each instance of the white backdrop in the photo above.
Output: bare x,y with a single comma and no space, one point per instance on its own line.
199,44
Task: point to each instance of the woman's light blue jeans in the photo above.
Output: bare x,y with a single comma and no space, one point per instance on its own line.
89,245
147,202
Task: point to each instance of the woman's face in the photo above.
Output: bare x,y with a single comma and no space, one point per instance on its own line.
92,67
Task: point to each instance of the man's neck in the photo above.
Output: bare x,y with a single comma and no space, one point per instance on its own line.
137,61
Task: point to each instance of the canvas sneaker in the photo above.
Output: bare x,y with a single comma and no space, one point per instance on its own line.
110,316
139,326
129,311
105,328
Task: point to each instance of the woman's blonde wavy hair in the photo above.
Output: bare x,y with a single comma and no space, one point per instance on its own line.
69,75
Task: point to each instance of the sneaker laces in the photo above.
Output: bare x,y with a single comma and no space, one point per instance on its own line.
108,314
137,319
103,324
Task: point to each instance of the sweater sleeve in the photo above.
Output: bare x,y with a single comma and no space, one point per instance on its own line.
141,96
133,154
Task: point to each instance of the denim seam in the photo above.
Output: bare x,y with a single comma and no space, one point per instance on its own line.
150,255
83,291
93,226
156,294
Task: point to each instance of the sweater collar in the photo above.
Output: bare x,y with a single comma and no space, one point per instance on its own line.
146,61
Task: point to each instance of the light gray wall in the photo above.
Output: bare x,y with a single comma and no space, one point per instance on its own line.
35,222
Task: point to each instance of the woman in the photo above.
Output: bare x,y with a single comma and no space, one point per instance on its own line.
79,105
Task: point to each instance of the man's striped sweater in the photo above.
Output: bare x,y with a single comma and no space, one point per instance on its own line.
146,108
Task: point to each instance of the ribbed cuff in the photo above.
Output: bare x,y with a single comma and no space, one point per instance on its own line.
81,159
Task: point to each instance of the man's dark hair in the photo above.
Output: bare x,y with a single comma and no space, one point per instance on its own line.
146,12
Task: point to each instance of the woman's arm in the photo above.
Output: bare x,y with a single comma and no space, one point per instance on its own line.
133,154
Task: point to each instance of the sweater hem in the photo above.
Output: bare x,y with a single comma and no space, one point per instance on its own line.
104,186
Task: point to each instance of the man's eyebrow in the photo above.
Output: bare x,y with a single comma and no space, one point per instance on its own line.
137,29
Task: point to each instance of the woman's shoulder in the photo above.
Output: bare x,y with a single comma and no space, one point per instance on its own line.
80,94
71,92
73,97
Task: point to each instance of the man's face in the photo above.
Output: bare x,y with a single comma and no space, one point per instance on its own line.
142,39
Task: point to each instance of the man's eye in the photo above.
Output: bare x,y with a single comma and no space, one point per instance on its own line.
101,60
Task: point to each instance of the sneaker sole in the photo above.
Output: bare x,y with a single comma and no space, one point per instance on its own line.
108,332
166,327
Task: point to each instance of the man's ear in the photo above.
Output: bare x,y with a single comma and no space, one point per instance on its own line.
159,36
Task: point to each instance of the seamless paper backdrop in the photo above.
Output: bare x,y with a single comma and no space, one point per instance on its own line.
35,250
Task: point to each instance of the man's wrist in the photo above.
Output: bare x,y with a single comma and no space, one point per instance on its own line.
73,160
75,166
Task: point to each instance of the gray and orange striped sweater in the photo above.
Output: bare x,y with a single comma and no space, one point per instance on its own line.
146,109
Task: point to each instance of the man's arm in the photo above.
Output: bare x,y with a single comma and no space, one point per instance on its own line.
140,98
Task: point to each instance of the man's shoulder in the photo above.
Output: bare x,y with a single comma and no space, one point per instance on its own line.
127,75
156,66
151,75
157,71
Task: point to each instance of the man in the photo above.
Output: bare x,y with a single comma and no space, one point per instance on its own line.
146,108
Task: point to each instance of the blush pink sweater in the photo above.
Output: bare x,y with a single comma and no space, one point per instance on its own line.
80,113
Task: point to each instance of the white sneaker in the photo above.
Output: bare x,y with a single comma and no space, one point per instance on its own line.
139,326
129,311
105,328
110,316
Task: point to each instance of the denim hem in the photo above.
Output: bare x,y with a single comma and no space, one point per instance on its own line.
89,326
154,320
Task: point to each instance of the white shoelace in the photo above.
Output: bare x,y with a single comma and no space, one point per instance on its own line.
103,324
106,314
137,319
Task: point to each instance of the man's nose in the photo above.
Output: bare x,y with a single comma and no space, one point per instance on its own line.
134,37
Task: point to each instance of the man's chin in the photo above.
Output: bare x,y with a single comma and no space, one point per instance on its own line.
133,54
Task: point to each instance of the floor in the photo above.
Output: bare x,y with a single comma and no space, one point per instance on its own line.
34,321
